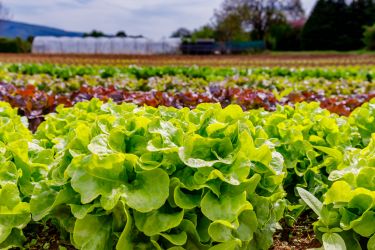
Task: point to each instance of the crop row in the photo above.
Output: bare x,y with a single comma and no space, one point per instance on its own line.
280,86
34,104
273,60
207,73
128,177
203,176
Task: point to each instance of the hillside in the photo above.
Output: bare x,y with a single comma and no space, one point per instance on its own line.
12,29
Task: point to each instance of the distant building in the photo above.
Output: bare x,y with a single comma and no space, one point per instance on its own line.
200,47
104,45
210,46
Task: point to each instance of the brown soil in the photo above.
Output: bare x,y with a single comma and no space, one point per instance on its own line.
300,236
47,236
286,60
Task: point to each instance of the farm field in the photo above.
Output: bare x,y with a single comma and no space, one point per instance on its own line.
300,59
233,152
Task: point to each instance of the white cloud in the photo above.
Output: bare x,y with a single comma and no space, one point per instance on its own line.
152,18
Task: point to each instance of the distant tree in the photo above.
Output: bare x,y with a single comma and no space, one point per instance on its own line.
369,37
337,25
135,36
255,17
181,33
121,34
30,39
206,31
230,27
94,33
16,45
361,14
284,37
319,31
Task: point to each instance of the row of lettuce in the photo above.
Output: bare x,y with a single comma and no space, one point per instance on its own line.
207,73
34,104
279,85
128,177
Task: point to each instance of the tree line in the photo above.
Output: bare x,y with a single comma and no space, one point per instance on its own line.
283,25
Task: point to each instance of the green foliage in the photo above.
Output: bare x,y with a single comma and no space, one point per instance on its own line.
121,34
229,28
284,37
204,32
128,177
337,25
14,45
66,72
160,177
16,173
281,81
94,33
369,37
312,142
181,33
244,19
363,118
347,216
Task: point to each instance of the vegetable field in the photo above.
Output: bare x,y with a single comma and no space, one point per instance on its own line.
187,157
300,59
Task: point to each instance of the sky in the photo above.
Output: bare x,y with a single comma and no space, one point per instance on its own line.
151,18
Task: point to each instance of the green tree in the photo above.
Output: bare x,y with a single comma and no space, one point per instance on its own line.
362,14
16,45
254,17
284,37
230,27
337,25
121,34
181,33
94,33
369,37
206,31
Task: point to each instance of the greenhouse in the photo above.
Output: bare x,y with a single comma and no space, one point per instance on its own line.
104,45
